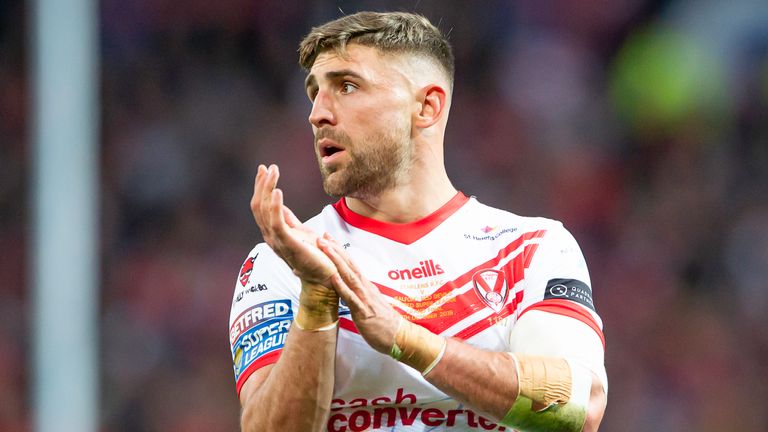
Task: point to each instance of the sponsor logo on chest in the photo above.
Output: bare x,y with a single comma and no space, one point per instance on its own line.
425,269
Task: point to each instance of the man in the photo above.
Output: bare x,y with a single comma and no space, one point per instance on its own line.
406,305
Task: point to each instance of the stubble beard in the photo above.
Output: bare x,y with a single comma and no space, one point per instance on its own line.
381,163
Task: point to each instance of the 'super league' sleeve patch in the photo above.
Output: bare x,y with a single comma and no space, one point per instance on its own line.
569,289
259,331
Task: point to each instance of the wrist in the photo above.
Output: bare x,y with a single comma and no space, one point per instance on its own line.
417,347
318,307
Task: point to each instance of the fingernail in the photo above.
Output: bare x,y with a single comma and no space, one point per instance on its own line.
321,242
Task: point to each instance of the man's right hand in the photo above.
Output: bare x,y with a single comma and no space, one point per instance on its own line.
285,234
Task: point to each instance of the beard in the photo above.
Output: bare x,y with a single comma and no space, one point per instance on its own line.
379,162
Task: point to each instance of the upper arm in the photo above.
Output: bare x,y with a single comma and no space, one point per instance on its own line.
263,305
558,318
557,315
552,335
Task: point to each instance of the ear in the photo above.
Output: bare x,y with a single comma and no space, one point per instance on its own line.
431,108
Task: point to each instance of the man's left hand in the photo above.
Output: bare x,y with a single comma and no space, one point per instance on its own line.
374,317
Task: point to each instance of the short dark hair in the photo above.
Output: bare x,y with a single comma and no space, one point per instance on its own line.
389,32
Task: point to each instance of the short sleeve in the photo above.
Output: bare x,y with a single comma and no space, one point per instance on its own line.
263,305
558,281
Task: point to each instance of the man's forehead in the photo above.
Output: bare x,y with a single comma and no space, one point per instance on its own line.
353,57
370,64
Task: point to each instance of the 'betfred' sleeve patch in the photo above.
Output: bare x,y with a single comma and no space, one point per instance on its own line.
258,331
570,289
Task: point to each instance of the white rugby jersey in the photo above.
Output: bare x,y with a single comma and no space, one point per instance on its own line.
466,271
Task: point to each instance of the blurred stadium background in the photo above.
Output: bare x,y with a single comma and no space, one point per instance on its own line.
641,124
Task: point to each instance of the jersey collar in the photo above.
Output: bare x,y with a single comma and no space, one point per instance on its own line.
405,233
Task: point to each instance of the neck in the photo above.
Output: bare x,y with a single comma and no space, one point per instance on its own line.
424,192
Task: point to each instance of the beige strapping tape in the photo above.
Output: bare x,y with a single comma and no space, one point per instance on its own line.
544,380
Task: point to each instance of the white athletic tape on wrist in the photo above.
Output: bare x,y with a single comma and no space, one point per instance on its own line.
328,327
437,359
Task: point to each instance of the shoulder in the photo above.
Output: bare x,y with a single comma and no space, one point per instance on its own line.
263,276
498,218
327,220
261,258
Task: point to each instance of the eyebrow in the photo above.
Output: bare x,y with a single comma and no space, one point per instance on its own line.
331,75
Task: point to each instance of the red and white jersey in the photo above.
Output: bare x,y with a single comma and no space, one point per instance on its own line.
467,271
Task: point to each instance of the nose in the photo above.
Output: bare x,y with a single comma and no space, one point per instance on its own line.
322,113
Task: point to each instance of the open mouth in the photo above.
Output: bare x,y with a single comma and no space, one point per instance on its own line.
330,151
328,148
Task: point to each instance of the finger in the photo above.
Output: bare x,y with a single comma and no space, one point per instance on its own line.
348,295
338,250
274,174
342,263
257,203
342,252
280,229
265,188
267,184
261,172
264,183
275,214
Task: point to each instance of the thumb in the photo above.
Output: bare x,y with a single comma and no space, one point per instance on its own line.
290,218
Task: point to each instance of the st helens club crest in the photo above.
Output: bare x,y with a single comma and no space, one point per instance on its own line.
246,269
491,287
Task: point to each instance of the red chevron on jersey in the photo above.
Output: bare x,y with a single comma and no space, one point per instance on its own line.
485,323
438,313
467,277
450,311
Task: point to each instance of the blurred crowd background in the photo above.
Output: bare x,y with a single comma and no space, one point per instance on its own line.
641,124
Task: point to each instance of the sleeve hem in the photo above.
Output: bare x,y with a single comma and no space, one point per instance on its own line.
569,309
267,359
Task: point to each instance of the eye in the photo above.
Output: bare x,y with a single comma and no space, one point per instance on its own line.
347,87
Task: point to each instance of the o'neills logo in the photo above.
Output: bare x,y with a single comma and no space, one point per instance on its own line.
426,269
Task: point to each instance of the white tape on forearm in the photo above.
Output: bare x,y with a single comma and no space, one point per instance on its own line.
581,384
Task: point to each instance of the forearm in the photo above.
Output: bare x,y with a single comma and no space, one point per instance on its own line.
484,380
296,394
487,382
